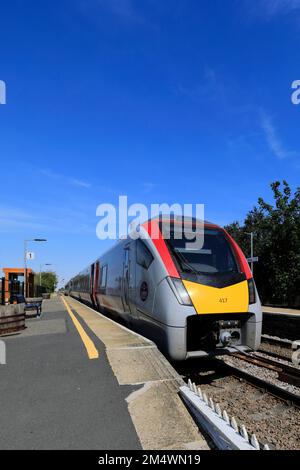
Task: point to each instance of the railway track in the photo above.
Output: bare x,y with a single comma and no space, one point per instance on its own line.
284,342
278,348
270,412
286,373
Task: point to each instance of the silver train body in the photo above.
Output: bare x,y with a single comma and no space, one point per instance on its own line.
187,312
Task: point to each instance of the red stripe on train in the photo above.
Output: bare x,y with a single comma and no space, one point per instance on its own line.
155,234
241,257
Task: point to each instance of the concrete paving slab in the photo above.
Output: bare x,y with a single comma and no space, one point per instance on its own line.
159,416
46,327
55,397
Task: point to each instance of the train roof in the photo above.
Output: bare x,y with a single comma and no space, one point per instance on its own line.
161,218
167,218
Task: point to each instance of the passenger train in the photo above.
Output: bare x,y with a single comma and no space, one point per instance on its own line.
191,303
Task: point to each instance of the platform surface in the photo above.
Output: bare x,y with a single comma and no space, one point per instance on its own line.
54,397
75,379
281,311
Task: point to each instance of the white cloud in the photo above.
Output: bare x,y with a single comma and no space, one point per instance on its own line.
273,140
11,212
269,9
73,181
275,7
148,186
14,220
124,10
209,86
80,183
50,173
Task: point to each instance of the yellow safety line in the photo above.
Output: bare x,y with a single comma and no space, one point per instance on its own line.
89,345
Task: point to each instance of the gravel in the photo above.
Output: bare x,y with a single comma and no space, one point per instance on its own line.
277,359
280,350
260,372
273,421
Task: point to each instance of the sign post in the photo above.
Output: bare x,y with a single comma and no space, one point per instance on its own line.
252,260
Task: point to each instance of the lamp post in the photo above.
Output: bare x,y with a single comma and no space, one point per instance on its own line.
251,234
25,260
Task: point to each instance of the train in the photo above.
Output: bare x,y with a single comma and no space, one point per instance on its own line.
191,302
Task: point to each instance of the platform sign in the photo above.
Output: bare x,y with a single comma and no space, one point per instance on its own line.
30,255
254,259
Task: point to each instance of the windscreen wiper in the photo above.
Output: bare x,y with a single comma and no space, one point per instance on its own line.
182,260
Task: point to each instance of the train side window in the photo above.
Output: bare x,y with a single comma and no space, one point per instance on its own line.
103,277
143,255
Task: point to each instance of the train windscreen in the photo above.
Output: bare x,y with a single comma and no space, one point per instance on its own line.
215,256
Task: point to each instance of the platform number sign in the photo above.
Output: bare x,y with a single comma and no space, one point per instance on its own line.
29,255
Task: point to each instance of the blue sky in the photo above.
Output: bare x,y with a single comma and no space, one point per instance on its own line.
183,101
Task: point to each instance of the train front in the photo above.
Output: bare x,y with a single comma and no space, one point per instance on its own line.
216,281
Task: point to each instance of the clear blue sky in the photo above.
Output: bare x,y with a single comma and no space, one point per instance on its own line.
183,101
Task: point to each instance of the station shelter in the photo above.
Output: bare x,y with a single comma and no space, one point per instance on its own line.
14,283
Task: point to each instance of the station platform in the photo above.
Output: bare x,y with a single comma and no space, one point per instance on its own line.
282,323
74,379
291,312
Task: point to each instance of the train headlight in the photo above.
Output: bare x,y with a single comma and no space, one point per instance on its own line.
180,291
251,288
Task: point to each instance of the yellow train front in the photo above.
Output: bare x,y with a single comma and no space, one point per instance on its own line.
208,303
190,302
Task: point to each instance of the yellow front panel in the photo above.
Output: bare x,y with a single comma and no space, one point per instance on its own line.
208,299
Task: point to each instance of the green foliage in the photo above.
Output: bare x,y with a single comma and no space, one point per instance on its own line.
49,280
276,231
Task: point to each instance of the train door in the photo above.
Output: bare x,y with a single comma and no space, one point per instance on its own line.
145,282
92,283
94,280
127,279
96,284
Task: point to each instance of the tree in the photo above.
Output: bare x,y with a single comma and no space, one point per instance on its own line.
49,280
276,231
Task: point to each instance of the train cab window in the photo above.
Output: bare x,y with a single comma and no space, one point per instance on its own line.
214,258
143,255
103,280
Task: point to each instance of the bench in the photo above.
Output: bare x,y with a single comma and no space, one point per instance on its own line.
29,303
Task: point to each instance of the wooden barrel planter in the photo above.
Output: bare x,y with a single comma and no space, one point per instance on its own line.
12,318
